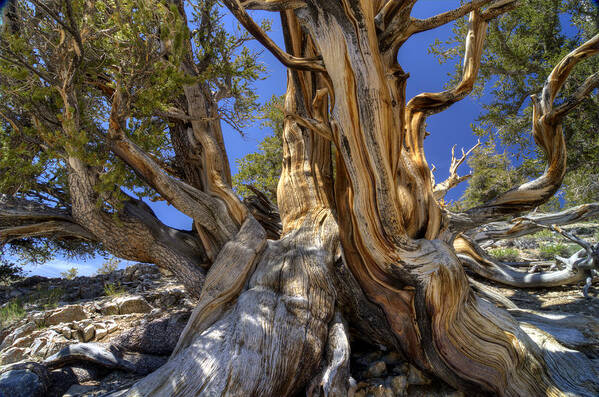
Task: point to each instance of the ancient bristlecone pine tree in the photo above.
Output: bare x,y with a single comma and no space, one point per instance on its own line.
367,249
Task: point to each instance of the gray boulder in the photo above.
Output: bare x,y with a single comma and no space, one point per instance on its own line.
24,380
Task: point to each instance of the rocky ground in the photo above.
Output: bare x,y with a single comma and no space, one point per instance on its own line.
93,335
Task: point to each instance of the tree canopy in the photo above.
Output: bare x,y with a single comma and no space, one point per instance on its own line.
60,65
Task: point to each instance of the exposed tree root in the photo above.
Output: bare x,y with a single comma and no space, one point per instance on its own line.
479,262
532,223
334,379
269,341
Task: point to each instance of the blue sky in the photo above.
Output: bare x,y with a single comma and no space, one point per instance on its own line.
426,75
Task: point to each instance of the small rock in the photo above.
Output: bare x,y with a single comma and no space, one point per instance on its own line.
109,308
55,343
80,325
379,391
21,383
168,300
376,370
133,304
88,333
101,332
18,333
37,346
417,377
392,358
155,312
66,314
111,327
13,354
399,384
24,341
65,331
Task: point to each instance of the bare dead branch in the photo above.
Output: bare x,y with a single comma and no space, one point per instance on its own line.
531,223
580,95
312,64
395,31
478,261
498,8
421,25
52,229
273,5
441,189
548,135
570,236
20,218
425,104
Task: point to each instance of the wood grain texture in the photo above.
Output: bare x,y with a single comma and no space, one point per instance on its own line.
266,322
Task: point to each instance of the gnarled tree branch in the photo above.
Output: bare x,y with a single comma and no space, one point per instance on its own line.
272,5
532,223
441,189
208,211
286,59
20,218
479,262
547,132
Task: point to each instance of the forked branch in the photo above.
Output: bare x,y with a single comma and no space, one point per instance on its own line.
421,25
425,104
203,208
441,189
237,9
394,31
547,132
591,83
272,5
20,218
532,223
475,259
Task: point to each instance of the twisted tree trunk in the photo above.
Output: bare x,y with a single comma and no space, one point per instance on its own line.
367,249
261,328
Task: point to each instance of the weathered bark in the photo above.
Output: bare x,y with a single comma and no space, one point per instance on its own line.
476,260
334,379
135,233
372,244
261,326
265,212
532,223
20,218
390,217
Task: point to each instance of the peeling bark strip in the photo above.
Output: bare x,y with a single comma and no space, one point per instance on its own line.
20,218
